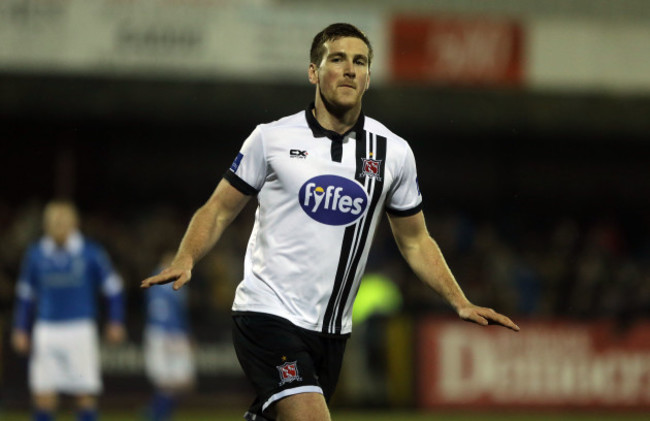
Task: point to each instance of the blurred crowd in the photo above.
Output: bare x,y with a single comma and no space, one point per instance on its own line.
524,265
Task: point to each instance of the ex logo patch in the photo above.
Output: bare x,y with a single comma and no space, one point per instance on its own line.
297,153
289,372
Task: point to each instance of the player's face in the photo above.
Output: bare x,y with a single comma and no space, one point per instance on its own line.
60,222
343,75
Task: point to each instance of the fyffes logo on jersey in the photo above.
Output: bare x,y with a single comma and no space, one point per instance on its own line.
333,200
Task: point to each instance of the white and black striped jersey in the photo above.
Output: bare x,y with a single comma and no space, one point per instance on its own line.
320,195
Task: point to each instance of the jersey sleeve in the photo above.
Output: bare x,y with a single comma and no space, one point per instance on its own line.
26,287
25,293
111,285
404,197
248,171
111,282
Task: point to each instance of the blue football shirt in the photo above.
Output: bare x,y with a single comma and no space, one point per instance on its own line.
63,282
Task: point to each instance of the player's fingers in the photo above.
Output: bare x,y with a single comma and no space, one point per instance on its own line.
473,316
496,318
160,279
506,322
179,283
182,280
153,280
478,319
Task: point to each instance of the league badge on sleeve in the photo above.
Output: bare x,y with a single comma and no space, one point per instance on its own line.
236,162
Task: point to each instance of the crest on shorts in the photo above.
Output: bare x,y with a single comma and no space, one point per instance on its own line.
371,168
289,372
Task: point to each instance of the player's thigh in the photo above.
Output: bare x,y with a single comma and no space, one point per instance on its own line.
155,355
169,361
302,407
275,359
83,359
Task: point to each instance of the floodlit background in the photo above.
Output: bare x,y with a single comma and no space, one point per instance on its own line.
530,121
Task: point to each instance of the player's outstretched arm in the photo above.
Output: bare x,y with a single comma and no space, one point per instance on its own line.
425,258
205,229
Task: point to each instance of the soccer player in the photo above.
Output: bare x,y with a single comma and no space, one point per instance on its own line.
168,354
59,281
323,177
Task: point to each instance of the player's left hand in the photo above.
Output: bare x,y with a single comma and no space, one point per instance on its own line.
485,316
20,342
115,333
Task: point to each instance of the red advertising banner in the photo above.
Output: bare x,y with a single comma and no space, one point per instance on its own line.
456,50
547,364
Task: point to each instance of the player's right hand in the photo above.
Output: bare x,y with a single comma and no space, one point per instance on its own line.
179,276
115,333
20,342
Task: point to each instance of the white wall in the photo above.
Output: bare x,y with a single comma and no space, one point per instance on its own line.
269,40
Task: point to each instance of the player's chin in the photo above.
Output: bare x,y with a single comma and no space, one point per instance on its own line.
347,102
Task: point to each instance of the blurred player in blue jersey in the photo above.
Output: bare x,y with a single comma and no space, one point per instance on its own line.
168,353
57,291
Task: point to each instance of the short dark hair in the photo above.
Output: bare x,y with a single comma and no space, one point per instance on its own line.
333,32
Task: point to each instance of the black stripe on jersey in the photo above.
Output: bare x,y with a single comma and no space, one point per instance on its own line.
239,184
336,150
347,246
379,154
354,240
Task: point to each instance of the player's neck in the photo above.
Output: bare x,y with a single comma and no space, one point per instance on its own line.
335,120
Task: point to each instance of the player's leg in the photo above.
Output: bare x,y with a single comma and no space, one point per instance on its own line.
279,364
302,407
83,370
157,360
170,367
162,405
327,353
45,404
86,407
44,373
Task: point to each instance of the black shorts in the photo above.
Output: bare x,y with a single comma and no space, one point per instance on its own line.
281,359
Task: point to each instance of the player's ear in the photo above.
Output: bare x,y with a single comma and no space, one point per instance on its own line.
313,74
367,81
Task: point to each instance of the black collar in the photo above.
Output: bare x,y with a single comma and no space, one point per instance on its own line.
320,131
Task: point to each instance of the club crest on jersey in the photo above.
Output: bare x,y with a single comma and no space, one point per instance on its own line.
333,200
371,168
288,372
